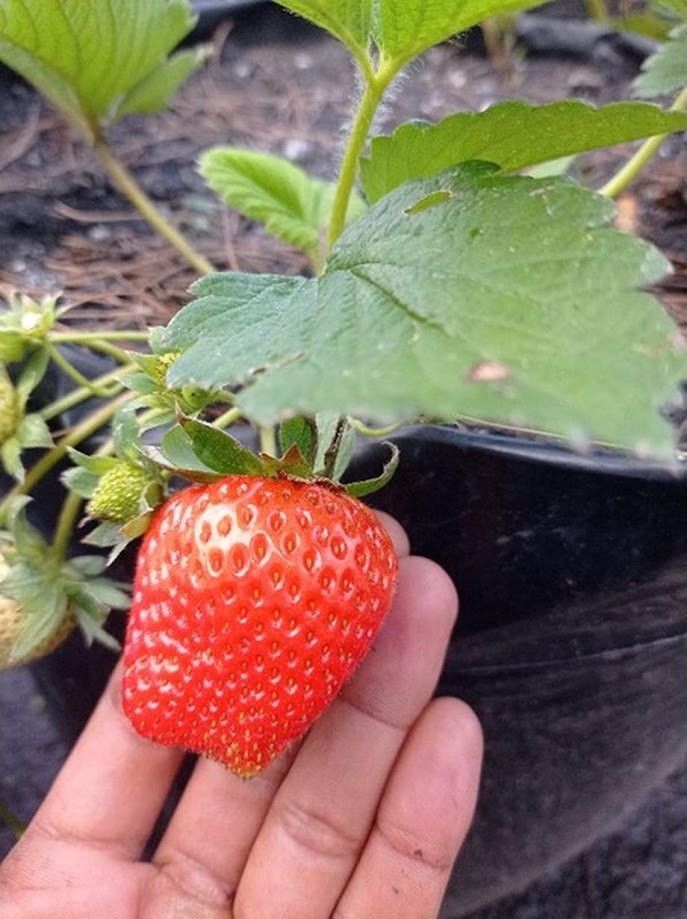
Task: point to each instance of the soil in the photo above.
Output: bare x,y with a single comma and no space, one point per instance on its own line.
275,84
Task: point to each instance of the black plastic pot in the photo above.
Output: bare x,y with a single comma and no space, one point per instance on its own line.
571,644
572,640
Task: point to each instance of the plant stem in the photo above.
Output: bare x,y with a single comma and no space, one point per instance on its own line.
65,526
597,10
95,343
81,381
50,459
638,161
268,441
81,394
375,85
95,338
367,431
126,183
228,418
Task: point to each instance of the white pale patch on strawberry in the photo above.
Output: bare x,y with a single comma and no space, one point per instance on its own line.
218,527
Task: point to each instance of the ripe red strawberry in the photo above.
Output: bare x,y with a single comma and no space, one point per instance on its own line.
254,600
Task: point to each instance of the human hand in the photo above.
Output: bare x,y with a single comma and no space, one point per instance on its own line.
364,818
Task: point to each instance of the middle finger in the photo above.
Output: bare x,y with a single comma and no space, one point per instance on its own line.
323,811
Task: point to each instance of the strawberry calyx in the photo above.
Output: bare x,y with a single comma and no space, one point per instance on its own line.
43,599
311,450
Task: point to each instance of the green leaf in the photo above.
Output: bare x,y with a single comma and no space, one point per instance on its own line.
80,481
33,432
403,29
328,431
666,71
87,566
292,206
292,463
110,593
267,305
30,545
31,375
24,325
125,434
370,486
88,57
176,452
508,300
91,613
156,90
39,591
513,135
94,463
347,20
104,535
10,455
220,451
299,432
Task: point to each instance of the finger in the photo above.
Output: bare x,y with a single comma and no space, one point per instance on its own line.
422,820
398,535
112,787
322,814
206,845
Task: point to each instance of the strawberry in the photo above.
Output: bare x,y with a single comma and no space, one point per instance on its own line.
13,623
117,496
254,600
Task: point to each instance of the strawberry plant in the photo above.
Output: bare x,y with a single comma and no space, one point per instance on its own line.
447,283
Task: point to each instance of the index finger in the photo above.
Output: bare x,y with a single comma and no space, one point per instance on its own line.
398,535
113,785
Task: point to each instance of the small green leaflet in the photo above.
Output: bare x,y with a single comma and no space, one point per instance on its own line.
301,433
220,451
666,71
347,20
508,299
99,60
513,135
292,205
401,29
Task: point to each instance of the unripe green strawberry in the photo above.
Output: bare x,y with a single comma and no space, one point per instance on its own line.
117,496
254,600
12,619
9,407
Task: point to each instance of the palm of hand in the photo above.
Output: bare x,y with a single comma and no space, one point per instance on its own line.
365,818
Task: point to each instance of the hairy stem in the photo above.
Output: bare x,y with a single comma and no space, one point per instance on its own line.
101,384
125,182
619,182
375,86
